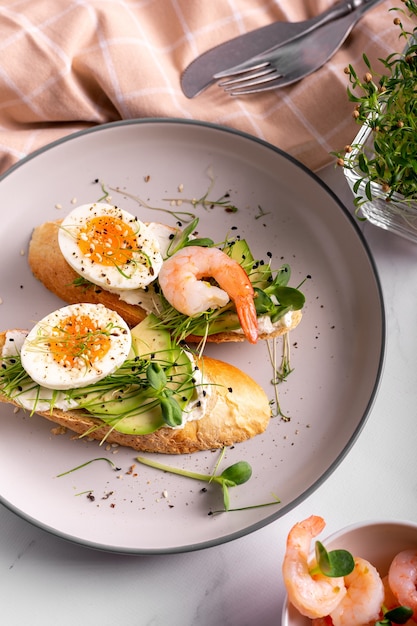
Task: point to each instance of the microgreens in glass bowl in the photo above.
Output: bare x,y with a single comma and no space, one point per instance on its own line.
381,162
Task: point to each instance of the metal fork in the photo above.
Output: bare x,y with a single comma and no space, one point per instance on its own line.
287,64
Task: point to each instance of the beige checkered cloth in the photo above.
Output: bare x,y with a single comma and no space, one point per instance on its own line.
67,65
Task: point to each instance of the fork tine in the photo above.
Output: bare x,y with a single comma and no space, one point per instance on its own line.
274,83
240,69
249,78
243,85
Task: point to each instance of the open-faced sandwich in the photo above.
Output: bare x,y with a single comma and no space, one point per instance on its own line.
101,254
83,368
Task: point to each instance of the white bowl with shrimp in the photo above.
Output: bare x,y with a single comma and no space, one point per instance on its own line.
376,541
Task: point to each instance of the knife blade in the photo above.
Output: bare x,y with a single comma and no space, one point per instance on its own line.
198,75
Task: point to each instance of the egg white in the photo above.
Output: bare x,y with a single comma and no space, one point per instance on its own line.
133,275
38,360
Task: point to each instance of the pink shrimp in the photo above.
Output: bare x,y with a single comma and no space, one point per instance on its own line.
363,600
312,595
391,602
402,579
181,282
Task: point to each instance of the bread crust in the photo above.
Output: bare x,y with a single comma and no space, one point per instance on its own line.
50,267
238,410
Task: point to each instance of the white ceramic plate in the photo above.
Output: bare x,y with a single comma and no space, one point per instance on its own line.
376,541
337,351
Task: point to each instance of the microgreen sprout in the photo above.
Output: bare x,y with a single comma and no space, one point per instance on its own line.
157,379
261,212
334,563
386,103
246,508
80,281
234,475
106,196
398,615
182,239
74,469
204,201
280,371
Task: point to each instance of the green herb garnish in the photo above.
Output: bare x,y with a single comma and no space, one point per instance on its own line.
387,104
399,615
182,239
334,563
74,469
157,379
236,474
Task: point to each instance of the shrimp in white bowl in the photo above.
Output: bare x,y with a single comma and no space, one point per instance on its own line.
364,597
402,579
181,280
313,595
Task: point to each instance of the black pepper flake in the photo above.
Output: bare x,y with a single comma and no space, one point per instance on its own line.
90,496
230,389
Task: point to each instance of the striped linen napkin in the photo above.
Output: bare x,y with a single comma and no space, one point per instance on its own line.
67,65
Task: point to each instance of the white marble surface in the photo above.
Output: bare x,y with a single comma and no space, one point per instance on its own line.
47,581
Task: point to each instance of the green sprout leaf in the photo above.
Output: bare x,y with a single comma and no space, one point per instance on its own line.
74,469
386,104
236,474
156,376
334,563
399,615
171,411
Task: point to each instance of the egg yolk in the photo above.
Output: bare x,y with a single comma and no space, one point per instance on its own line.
108,240
78,340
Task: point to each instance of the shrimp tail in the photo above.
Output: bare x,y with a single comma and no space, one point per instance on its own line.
248,318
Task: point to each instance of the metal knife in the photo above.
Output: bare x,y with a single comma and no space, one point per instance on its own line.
199,73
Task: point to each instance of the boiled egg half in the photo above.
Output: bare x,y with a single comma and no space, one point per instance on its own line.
110,247
76,346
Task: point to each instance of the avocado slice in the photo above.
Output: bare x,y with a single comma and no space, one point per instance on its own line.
134,409
259,274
